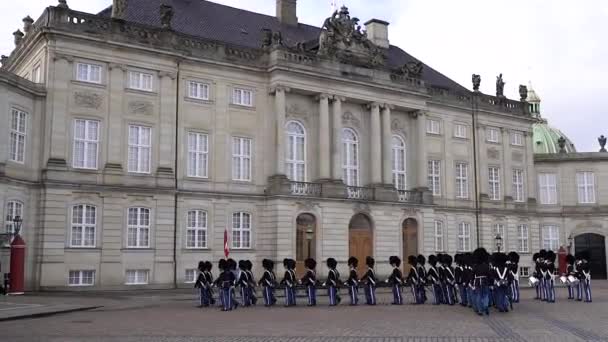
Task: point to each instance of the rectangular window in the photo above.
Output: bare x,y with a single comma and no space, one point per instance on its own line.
140,81
494,183
499,229
434,176
518,185
190,276
198,90
198,155
585,182
88,73
524,271
37,74
462,180
550,238
460,131
241,159
492,134
84,221
13,209
241,230
86,142
196,231
137,277
242,97
140,148
81,278
517,139
547,185
464,237
523,245
433,126
138,228
17,135
439,236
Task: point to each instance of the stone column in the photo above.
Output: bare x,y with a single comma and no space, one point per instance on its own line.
506,174
387,146
324,138
337,139
166,147
376,144
57,101
421,157
116,141
530,186
280,109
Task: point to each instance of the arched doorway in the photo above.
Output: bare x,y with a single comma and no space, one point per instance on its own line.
410,240
360,239
306,231
595,245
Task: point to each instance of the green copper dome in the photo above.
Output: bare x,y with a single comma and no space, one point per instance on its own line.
545,139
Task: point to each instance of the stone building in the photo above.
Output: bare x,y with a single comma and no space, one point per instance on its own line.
136,137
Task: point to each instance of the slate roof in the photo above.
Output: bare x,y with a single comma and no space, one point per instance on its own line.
223,23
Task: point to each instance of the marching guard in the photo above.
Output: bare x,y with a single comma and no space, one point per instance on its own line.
251,279
570,275
502,279
310,281
435,280
225,282
396,280
353,281
481,281
289,281
449,279
468,277
513,264
421,268
414,279
459,278
201,285
268,282
369,280
585,276
550,276
244,284
333,279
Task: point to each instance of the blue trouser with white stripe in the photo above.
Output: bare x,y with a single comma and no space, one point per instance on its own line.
570,292
311,292
246,296
354,294
397,294
290,296
421,293
502,301
437,294
449,290
227,302
550,290
269,299
515,291
482,296
416,294
470,299
544,295
587,289
464,300
370,294
203,300
332,292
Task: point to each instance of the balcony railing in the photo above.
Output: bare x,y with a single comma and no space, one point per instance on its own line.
360,193
408,196
305,189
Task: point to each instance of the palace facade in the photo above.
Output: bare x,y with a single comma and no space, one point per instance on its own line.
135,137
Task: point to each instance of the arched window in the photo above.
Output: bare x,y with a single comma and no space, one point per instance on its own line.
399,170
350,157
295,154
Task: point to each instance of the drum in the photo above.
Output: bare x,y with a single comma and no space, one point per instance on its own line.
573,280
533,281
563,279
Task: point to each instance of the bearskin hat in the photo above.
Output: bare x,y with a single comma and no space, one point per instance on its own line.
268,264
248,265
369,261
467,259
242,265
286,262
201,266
352,261
535,256
500,259
584,255
570,259
433,259
421,259
411,260
481,256
231,264
551,256
292,264
332,263
310,263
447,259
222,264
542,254
208,266
394,261
514,257
458,258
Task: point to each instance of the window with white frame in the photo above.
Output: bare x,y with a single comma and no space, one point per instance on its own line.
460,131
241,230
439,241
198,90
37,74
84,222
241,159
399,163
518,185
81,278
137,277
499,229
295,154
17,135
13,209
434,177
433,126
524,271
90,73
517,138
550,236
547,186
140,148
350,157
585,182
242,97
140,81
492,134
494,183
464,237
138,228
523,245
196,230
190,275
462,180
86,144
198,154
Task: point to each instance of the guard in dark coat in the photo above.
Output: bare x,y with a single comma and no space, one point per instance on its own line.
458,278
396,280
244,284
200,284
585,276
209,278
468,277
333,281
514,270
369,281
310,281
414,279
542,260
435,280
537,274
502,279
225,282
353,281
268,282
482,278
289,282
449,279
550,276
570,274
421,268
251,279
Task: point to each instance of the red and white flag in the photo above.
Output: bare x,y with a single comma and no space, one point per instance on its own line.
226,248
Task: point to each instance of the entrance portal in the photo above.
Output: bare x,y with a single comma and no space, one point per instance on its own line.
360,236
306,229
595,245
410,241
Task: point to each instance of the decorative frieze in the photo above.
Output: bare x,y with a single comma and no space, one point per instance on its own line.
141,107
88,99
349,119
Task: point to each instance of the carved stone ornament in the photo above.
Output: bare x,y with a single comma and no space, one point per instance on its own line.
523,93
476,82
561,142
493,153
517,156
362,207
350,119
412,69
343,39
295,111
602,141
87,99
166,16
266,38
307,206
410,212
398,126
140,107
119,8
500,86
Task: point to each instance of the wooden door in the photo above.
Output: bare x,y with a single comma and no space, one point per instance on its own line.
305,241
410,241
361,246
595,245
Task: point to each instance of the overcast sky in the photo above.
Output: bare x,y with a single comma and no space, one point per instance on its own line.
558,45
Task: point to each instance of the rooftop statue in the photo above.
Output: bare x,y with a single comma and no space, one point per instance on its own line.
500,86
476,82
602,141
523,93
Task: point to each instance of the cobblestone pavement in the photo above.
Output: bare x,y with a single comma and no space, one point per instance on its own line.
175,319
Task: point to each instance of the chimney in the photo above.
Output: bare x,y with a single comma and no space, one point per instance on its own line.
377,32
119,9
287,12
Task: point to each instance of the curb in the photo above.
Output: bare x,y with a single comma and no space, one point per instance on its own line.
50,313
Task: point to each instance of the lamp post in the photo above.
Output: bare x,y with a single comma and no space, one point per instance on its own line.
17,275
498,240
17,220
309,235
570,241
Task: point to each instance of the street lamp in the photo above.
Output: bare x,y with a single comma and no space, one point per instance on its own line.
570,241
17,220
498,240
309,235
